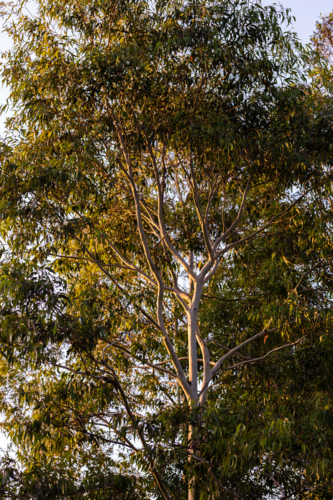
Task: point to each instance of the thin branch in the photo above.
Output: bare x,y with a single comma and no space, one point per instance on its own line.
182,358
163,370
106,440
278,485
202,219
213,271
131,266
227,348
251,236
116,283
253,360
236,221
162,228
308,272
86,374
240,346
153,268
211,472
152,468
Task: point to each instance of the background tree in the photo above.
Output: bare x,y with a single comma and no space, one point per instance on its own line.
166,260
322,37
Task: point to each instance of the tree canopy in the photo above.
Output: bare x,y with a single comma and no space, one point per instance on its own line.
166,254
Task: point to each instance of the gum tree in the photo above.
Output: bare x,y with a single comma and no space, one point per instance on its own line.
163,158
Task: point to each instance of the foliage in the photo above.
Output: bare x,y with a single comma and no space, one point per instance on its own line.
166,223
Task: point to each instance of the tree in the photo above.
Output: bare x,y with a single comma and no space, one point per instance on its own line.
166,260
322,37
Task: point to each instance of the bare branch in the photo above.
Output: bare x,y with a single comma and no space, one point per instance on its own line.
130,264
278,485
162,228
251,236
237,220
183,358
213,271
148,365
98,263
139,431
202,219
206,365
253,360
308,272
227,348
240,346
158,368
86,374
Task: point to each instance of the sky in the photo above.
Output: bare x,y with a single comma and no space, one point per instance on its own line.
307,12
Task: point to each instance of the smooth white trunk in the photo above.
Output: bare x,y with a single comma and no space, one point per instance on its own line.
193,491
193,358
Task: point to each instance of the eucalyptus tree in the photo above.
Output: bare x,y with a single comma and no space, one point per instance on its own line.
166,230
322,37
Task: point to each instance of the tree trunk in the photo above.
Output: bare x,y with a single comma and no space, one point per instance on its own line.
193,489
196,290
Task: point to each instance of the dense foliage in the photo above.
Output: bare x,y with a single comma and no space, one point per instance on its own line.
166,267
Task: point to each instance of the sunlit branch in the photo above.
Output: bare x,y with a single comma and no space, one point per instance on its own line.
253,360
202,219
251,236
237,220
218,364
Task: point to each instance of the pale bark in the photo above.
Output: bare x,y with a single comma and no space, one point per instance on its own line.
193,440
190,301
